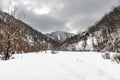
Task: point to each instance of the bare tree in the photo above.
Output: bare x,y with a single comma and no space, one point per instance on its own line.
84,45
9,36
9,29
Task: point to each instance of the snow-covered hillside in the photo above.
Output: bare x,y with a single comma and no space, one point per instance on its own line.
60,36
105,34
60,66
83,45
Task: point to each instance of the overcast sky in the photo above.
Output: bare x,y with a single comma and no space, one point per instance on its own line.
59,15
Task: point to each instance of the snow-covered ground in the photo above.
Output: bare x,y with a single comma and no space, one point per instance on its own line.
60,66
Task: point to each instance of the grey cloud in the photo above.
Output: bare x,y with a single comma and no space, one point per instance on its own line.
77,7
44,23
2,4
87,11
65,15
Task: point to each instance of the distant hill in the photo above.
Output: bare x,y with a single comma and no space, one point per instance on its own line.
60,36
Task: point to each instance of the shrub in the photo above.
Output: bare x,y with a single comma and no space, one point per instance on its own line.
53,52
106,55
116,58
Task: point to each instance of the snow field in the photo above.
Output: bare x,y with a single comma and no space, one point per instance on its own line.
60,66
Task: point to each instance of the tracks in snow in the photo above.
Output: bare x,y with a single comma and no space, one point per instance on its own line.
95,70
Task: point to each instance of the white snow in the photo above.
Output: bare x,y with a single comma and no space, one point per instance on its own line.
58,37
60,66
89,44
79,45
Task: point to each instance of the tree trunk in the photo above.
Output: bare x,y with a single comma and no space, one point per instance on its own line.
7,53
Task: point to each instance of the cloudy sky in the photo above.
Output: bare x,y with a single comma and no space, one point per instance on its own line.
59,15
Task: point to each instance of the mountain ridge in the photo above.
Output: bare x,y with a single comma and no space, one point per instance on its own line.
60,36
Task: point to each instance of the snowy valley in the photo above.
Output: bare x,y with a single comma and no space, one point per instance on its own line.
28,54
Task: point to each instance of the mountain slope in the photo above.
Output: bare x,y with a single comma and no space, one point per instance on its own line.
60,36
103,36
26,38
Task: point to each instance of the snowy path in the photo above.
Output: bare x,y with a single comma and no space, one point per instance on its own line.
61,66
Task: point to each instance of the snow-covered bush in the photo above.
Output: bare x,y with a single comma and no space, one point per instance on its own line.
106,55
112,56
53,52
116,58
